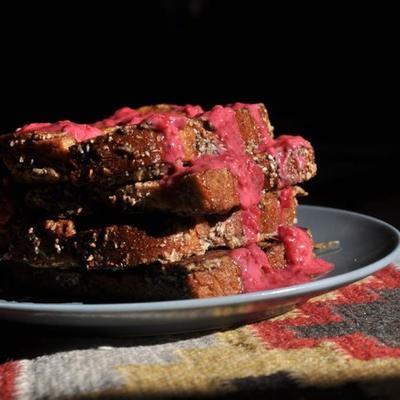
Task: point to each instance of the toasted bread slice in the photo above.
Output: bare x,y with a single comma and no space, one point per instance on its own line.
123,150
212,191
214,274
145,239
194,194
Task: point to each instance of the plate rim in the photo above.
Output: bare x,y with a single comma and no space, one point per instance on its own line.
321,285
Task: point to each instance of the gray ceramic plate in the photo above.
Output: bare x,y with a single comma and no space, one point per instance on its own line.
367,245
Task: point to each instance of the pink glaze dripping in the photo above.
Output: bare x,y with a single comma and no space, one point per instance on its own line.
302,265
78,132
251,223
123,116
265,135
249,175
130,116
169,123
283,146
223,121
289,142
299,251
252,262
286,199
190,110
250,178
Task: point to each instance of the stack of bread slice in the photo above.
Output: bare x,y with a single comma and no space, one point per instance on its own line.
156,203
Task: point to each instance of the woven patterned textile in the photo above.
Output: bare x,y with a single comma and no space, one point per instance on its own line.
345,343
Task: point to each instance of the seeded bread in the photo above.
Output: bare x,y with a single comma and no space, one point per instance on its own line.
207,192
122,154
194,193
213,274
142,239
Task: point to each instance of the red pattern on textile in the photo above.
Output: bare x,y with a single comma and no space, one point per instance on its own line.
8,373
282,333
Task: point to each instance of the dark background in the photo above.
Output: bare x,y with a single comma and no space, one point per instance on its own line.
327,72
